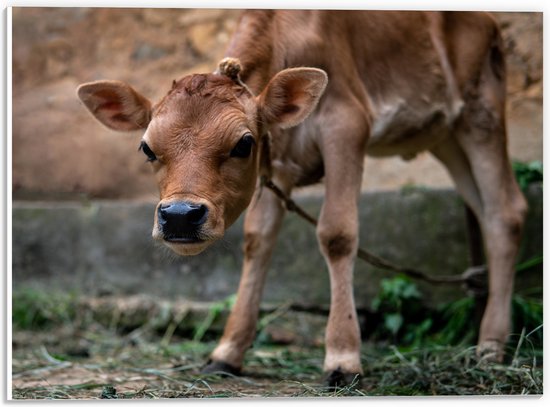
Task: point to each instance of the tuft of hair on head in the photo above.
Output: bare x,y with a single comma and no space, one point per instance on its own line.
230,67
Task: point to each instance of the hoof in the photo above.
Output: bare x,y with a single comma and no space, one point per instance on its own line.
338,379
490,352
219,368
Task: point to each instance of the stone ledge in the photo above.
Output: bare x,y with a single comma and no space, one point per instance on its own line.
105,248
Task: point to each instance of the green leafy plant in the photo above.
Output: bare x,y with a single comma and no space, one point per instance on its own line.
527,173
399,303
407,322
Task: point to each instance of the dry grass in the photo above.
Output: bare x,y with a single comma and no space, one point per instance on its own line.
100,362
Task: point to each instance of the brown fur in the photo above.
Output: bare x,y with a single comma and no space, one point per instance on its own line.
399,83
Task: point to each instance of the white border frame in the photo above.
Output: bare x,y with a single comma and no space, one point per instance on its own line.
6,201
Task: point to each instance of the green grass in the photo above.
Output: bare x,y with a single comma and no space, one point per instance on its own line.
36,309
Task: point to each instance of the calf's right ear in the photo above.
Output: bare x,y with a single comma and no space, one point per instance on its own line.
116,104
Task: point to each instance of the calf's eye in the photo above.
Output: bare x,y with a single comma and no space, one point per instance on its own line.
148,152
243,148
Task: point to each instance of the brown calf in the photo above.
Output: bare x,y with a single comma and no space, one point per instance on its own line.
398,83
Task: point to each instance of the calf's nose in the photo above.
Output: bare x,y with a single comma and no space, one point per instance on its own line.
180,221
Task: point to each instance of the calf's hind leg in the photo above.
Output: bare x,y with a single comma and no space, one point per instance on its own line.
501,220
481,134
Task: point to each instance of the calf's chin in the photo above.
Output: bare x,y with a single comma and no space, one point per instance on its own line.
188,249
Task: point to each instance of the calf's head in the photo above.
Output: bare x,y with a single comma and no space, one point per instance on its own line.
202,140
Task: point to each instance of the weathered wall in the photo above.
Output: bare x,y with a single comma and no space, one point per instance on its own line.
60,152
101,248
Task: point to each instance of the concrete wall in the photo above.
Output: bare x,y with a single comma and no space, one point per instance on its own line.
57,145
100,248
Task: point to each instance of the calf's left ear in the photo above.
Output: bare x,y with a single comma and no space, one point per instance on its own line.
292,95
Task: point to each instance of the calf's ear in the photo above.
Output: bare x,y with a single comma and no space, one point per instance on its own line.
292,95
116,105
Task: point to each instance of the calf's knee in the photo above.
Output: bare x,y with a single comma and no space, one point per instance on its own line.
508,223
337,244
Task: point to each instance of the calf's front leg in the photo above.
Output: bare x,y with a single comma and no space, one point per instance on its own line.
262,223
337,234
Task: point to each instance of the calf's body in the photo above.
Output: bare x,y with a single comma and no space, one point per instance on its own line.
399,83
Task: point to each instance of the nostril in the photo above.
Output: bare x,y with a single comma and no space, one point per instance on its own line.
197,214
181,220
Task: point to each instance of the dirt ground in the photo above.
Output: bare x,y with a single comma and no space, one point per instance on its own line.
67,347
60,152
101,363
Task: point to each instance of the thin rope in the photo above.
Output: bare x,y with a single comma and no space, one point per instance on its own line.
474,278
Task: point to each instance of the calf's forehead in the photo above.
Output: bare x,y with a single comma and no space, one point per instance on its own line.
218,107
